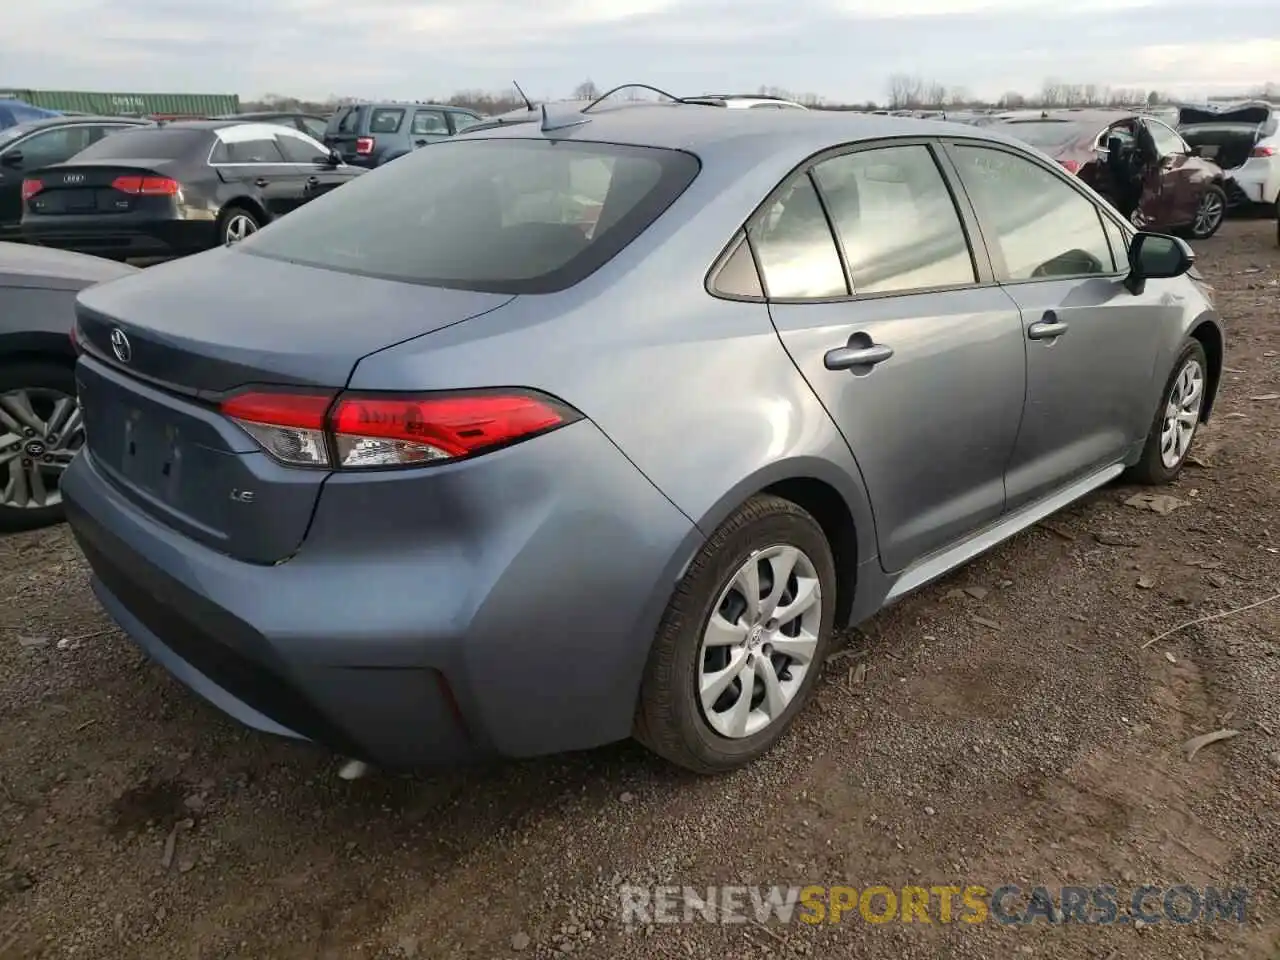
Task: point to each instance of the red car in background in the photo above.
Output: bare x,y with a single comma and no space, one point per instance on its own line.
1141,165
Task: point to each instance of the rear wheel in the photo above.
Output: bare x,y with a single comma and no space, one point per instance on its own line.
1176,421
1210,212
40,431
237,223
742,641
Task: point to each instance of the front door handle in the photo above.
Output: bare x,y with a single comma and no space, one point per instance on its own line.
262,182
1048,328
848,358
313,181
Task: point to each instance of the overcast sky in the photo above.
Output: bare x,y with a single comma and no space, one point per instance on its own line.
839,49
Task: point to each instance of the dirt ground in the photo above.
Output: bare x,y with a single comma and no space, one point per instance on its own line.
1007,727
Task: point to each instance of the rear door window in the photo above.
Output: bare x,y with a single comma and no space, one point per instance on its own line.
897,223
259,150
502,215
796,250
385,120
300,149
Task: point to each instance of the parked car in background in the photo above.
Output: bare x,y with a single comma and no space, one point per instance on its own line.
40,428
312,124
176,189
1140,164
1243,139
745,101
400,474
371,134
38,143
19,111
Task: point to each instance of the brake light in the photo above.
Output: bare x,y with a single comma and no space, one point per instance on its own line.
30,188
364,145
147,186
1071,166
374,430
1264,152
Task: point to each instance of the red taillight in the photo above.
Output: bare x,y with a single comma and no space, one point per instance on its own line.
146,186
1264,152
30,188
374,430
364,145
1071,166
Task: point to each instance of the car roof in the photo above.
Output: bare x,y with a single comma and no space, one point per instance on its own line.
405,105
62,121
1086,116
263,114
701,128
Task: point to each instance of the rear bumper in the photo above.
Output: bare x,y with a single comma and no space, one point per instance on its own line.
1258,181
500,607
100,237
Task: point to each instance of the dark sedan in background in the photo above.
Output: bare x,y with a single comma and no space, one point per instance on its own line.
38,143
176,188
40,428
1140,164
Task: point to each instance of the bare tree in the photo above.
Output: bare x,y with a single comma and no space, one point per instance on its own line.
958,97
586,90
904,91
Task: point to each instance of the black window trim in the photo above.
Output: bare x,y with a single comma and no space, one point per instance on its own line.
998,264
984,270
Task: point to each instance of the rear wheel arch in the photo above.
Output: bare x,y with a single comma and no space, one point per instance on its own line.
40,346
246,203
825,504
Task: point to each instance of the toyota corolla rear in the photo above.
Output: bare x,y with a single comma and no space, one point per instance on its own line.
405,572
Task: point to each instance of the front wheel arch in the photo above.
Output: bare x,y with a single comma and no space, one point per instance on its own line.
1210,337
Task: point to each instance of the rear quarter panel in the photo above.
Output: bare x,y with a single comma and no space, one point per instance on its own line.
696,391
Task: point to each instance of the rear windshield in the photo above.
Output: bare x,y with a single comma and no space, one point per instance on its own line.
495,215
158,143
1046,133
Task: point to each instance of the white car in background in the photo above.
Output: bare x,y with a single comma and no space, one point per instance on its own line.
745,101
1243,139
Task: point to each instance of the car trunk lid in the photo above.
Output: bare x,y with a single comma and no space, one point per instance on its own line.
164,347
104,188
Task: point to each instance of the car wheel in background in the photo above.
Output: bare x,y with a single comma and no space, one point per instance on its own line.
237,223
742,641
1210,212
40,431
1176,420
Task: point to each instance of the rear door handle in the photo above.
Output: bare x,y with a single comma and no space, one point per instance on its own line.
313,181
847,358
262,182
1048,327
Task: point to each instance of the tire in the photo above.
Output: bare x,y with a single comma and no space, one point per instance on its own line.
671,719
43,383
1213,197
1153,468
1277,213
236,223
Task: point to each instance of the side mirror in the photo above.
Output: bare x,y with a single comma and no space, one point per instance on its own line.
1156,256
334,158
12,159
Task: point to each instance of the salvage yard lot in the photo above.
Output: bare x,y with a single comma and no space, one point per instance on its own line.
1006,728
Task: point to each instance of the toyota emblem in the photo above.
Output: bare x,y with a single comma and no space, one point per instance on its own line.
73,178
120,346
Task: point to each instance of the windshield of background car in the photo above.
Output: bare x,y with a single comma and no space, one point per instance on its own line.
498,215
1047,134
151,143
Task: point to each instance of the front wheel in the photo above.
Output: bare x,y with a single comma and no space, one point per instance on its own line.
742,642
1210,212
1176,421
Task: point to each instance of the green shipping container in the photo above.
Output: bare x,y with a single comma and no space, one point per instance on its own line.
129,104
